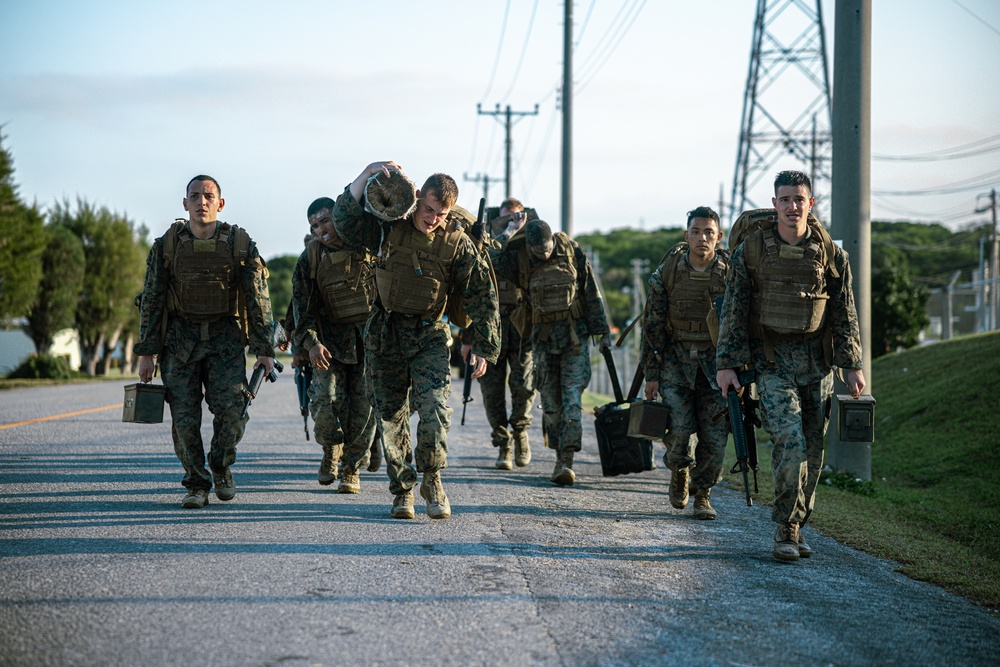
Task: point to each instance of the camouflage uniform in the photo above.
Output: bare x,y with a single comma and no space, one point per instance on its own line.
408,357
561,355
514,367
208,358
795,391
686,373
338,399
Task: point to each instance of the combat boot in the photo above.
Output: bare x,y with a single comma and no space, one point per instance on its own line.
402,506
195,499
804,549
563,474
702,508
505,458
438,506
329,467
225,487
522,450
679,479
786,542
350,481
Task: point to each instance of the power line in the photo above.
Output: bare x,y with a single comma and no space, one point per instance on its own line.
609,48
979,147
974,183
583,27
597,68
496,60
524,49
975,16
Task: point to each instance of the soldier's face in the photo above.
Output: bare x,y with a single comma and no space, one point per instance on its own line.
203,202
430,213
702,236
542,252
792,202
321,223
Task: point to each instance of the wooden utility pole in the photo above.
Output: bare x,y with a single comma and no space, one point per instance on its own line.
508,122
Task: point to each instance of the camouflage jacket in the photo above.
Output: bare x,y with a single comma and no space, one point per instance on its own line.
312,326
182,336
799,361
469,272
662,359
507,264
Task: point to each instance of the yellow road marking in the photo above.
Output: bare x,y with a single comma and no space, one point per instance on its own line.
65,414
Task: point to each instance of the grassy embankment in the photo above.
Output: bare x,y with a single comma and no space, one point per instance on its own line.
933,504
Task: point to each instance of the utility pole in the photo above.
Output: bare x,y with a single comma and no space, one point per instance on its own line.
994,284
566,102
485,179
510,117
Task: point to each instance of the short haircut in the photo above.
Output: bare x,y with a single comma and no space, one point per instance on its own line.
443,187
703,212
537,233
319,205
793,178
199,178
512,205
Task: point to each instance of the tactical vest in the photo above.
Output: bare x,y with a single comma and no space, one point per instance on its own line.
789,286
414,269
509,294
690,295
345,280
552,288
204,274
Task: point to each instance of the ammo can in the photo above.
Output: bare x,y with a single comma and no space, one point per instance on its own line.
143,403
647,419
856,418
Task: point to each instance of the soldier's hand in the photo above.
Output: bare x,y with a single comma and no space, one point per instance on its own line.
466,351
605,342
651,390
726,378
320,357
855,381
266,362
146,366
479,366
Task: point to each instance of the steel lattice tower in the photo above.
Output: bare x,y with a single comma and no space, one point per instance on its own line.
787,117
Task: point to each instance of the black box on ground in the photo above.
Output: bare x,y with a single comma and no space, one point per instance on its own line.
620,453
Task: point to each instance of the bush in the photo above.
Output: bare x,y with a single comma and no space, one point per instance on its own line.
44,366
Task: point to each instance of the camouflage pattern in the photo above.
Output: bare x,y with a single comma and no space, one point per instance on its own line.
338,398
514,367
794,392
196,367
686,376
562,364
409,358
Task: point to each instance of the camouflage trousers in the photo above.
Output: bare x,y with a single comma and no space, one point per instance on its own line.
515,355
410,371
561,379
796,418
222,376
691,412
338,402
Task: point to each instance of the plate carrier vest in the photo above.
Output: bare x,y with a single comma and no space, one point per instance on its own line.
690,295
345,279
204,274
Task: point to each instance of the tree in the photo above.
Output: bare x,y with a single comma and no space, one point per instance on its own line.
279,283
113,277
63,265
22,241
899,306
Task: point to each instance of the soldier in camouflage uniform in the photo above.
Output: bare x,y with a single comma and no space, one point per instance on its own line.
514,365
196,276
678,359
425,260
565,308
332,286
791,318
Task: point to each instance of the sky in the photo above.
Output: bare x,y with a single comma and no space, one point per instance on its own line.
121,103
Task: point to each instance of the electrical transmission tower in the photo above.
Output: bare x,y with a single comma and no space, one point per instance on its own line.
787,117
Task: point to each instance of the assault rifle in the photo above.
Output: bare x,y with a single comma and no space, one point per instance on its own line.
478,232
744,421
250,393
303,378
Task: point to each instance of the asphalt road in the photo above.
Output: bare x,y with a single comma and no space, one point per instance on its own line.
99,565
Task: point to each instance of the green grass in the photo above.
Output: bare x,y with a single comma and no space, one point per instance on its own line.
933,504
